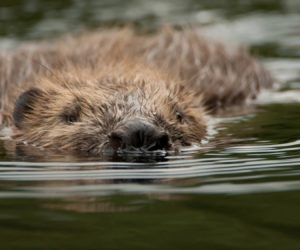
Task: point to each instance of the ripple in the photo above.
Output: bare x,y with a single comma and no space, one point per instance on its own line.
100,190
216,174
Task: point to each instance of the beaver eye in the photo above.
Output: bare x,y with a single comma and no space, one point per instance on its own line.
179,117
71,118
71,114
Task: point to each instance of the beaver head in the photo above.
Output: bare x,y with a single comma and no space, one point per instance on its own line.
90,111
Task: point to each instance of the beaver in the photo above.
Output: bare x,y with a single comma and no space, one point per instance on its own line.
114,90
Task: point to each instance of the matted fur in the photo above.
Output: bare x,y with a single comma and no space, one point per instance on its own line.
113,76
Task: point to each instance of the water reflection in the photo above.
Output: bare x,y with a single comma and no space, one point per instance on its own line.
235,169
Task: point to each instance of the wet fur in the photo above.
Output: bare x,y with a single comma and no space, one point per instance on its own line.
102,79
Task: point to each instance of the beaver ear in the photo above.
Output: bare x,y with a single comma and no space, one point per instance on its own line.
24,104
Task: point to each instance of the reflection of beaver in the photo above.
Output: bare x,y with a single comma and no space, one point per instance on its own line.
115,89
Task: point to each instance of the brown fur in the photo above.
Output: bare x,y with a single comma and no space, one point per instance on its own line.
78,90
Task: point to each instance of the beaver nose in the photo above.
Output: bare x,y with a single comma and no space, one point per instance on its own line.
139,135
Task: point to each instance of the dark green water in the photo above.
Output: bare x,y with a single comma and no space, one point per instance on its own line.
239,191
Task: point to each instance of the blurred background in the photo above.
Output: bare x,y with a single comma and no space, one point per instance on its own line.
270,26
243,194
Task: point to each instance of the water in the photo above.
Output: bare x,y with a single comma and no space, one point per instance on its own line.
240,190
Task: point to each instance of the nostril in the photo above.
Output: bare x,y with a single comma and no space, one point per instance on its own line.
116,139
163,141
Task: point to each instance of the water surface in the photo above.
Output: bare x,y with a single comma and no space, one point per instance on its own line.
241,190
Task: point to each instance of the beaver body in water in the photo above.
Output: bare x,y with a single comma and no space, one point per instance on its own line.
115,89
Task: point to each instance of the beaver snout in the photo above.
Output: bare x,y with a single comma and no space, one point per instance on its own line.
138,134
